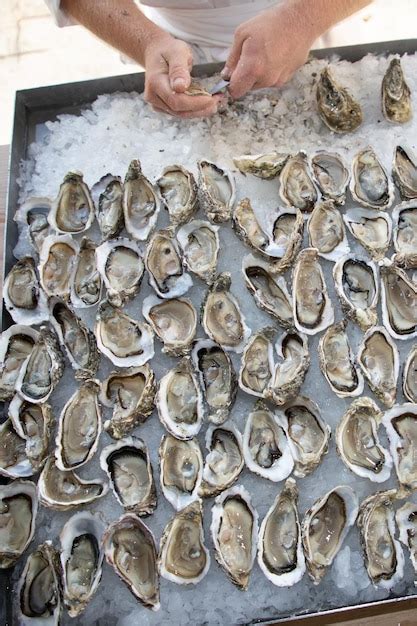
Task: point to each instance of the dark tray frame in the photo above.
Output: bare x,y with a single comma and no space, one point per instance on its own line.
33,107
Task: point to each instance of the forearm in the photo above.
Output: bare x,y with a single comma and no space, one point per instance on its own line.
319,15
119,23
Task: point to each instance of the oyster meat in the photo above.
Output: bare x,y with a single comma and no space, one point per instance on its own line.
337,108
120,264
289,374
174,321
370,184
401,426
405,234
178,190
86,283
396,95
108,199
73,210
257,364
378,357
22,294
337,363
224,462
410,375
297,188
330,175
141,203
216,190
32,216
357,286
18,510
406,518
181,464
372,231
404,172
399,301
199,241
326,231
13,460
16,344
33,423
164,264
56,265
266,166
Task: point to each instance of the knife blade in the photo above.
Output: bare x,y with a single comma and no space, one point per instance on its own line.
219,87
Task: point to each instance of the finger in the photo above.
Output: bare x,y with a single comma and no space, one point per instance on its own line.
233,58
245,75
179,61
178,102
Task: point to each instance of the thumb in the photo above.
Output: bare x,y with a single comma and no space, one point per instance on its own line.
179,65
233,58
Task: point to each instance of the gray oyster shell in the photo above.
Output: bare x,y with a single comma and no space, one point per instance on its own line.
357,286
119,262
265,166
16,344
396,95
297,188
72,212
330,175
405,234
337,108
23,296
19,507
372,230
379,360
86,281
141,203
404,172
107,194
370,184
216,191
178,191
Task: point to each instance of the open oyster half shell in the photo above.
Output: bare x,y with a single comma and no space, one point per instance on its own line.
326,231
372,230
297,188
405,234
312,307
289,373
141,203
72,211
56,265
406,518
401,426
337,362
33,216
265,166
16,344
410,375
33,423
22,294
178,190
370,184
181,467
119,262
199,241
107,194
330,175
86,281
357,286
379,360
224,461
399,301
165,268
174,321
18,510
216,191
257,363
404,172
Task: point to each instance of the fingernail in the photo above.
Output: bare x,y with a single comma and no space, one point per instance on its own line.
225,73
178,83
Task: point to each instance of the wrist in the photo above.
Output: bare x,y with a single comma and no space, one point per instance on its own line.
155,38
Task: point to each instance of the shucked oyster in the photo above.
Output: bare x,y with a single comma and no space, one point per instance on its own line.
257,364
396,95
404,173
73,210
18,510
401,426
372,230
179,193
22,294
330,175
181,464
216,189
56,265
337,362
224,461
264,166
16,344
296,185
234,530
86,283
399,301
290,373
379,360
33,216
33,423
14,462
405,234
406,518
199,241
370,184
120,264
141,204
410,375
280,549
164,264
338,110
174,322
357,286
326,231
108,195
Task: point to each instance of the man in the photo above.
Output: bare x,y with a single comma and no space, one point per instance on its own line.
263,41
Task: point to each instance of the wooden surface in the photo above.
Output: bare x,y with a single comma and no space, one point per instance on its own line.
401,618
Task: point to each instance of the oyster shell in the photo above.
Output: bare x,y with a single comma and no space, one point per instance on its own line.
72,211
180,402
181,464
130,549
216,189
16,344
358,443
383,555
141,203
307,433
14,462
324,528
257,364
337,108
290,373
399,301
370,184
128,466
178,190
404,172
130,393
406,518
248,228
33,216
405,234
199,241
122,339
265,445
297,188
56,265
164,264
81,560
401,426
234,530
372,231
312,307
224,462
222,318
280,549
287,234
107,194
23,297
173,321
79,428
18,510
396,95
86,283
33,423
120,264
184,561
326,231
357,286
217,378
266,166
330,175
62,491
337,363
410,375
378,357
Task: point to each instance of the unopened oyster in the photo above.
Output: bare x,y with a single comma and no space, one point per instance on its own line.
33,423
265,445
234,530
62,491
324,528
76,338
183,557
174,321
16,344
179,193
86,283
130,393
312,307
405,234
399,301
199,241
410,375
396,95
122,339
216,189
141,203
297,188
326,231
370,184
406,518
217,378
257,364
384,558
22,294
120,264
330,175
289,374
264,166
372,230
56,265
79,428
307,433
128,466
224,461
18,510
181,464
222,318
73,210
357,286
401,425
337,108
107,194
358,443
337,363
81,560
180,402
404,173
378,357
33,216
130,549
164,264
280,549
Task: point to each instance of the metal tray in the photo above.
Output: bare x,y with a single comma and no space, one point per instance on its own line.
33,107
